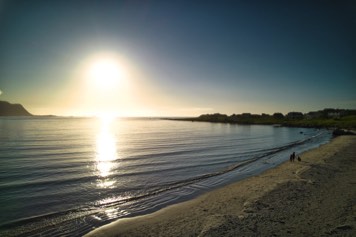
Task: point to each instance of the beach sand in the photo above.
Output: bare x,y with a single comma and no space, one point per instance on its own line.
314,197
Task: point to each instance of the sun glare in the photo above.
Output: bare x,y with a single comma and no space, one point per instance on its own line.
106,152
105,85
105,73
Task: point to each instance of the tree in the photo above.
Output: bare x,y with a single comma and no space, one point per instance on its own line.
278,116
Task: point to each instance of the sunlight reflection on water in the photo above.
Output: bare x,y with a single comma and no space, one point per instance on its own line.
106,153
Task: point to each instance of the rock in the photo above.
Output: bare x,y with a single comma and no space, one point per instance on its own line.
340,132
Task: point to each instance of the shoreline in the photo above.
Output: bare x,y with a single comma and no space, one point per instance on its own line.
314,197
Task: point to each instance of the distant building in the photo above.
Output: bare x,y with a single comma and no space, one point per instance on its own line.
335,114
332,113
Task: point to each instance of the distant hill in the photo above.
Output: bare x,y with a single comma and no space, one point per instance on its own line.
7,109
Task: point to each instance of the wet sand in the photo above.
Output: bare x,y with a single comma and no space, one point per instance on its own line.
314,197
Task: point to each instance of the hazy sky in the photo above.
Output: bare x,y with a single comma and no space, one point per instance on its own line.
181,58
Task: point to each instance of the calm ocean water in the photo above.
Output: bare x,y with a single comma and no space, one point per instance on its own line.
67,176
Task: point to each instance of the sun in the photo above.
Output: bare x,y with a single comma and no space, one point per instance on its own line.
105,73
105,84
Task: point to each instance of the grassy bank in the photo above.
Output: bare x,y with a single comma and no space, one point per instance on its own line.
348,122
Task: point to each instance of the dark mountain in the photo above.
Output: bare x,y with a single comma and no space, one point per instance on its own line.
7,109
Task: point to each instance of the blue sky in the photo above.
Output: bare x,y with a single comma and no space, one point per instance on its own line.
189,57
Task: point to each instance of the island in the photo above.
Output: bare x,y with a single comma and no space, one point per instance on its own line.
8,109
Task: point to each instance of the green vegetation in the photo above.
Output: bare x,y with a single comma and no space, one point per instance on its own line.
347,122
327,118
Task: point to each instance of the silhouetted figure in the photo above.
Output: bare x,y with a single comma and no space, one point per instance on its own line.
292,157
299,159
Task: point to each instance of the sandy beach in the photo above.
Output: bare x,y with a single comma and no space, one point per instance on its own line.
314,197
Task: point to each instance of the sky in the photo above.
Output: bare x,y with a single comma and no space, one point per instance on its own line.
177,58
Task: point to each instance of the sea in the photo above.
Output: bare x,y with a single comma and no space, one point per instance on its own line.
65,176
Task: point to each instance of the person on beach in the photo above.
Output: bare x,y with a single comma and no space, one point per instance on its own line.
299,159
292,157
